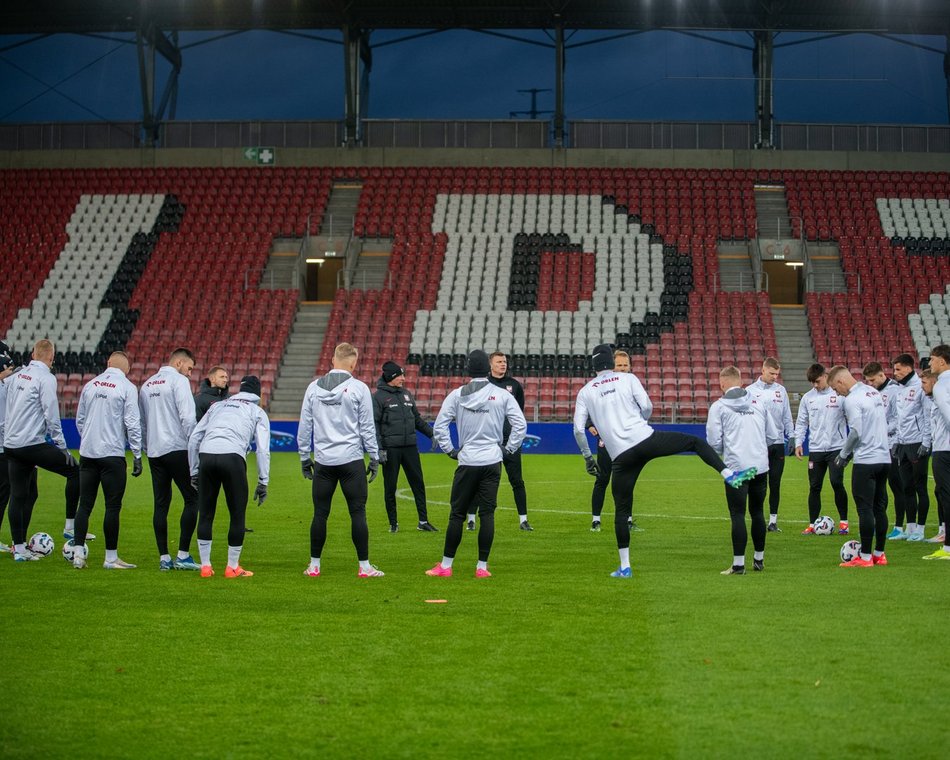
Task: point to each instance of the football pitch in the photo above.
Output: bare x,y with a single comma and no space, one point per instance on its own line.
550,657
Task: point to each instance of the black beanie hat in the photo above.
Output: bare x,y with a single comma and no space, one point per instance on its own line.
603,357
478,365
250,384
391,371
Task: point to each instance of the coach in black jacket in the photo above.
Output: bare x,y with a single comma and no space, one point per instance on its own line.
397,421
213,388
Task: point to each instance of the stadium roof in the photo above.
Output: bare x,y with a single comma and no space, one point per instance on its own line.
894,16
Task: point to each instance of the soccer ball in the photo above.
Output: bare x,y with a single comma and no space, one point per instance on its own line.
850,550
824,526
68,548
42,544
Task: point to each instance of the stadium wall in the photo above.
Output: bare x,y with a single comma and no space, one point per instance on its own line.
563,158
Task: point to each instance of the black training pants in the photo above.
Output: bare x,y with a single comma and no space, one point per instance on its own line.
166,469
352,479
110,472
217,471
869,490
406,457
752,492
21,466
913,472
627,468
5,487
776,468
897,488
604,465
941,469
512,464
820,462
473,485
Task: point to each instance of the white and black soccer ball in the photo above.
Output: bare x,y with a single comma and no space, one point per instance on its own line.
42,544
824,526
850,550
68,548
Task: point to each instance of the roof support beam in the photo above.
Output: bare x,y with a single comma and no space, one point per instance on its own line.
357,64
762,62
150,41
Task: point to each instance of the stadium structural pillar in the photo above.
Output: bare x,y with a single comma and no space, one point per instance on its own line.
357,63
149,41
762,62
559,86
946,74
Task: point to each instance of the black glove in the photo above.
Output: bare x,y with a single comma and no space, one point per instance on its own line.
894,451
790,446
591,464
508,456
194,482
260,494
373,470
383,456
841,461
136,466
923,451
70,459
306,467
454,453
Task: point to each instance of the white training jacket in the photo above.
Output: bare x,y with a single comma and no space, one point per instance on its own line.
4,384
619,408
738,428
168,412
32,411
336,420
479,410
940,428
889,393
913,422
928,404
867,419
821,415
228,427
775,399
108,415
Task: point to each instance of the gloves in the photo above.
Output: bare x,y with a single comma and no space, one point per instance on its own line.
923,451
306,467
894,451
591,464
260,494
507,456
136,467
194,482
383,456
841,461
373,470
454,454
70,459
790,446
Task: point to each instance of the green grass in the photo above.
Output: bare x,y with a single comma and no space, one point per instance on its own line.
550,657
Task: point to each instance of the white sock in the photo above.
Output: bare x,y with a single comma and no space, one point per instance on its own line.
470,518
112,555
865,557
19,548
166,558
204,551
365,566
447,561
234,556
760,556
314,563
523,518
183,555
70,526
811,525
726,472
738,561
911,528
624,558
946,547
481,565
845,523
773,519
878,553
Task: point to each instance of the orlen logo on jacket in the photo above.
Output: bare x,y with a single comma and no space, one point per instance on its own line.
613,379
103,384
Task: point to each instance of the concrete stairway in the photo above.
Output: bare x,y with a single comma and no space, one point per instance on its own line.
827,275
771,211
795,350
279,272
735,267
372,266
299,365
341,206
